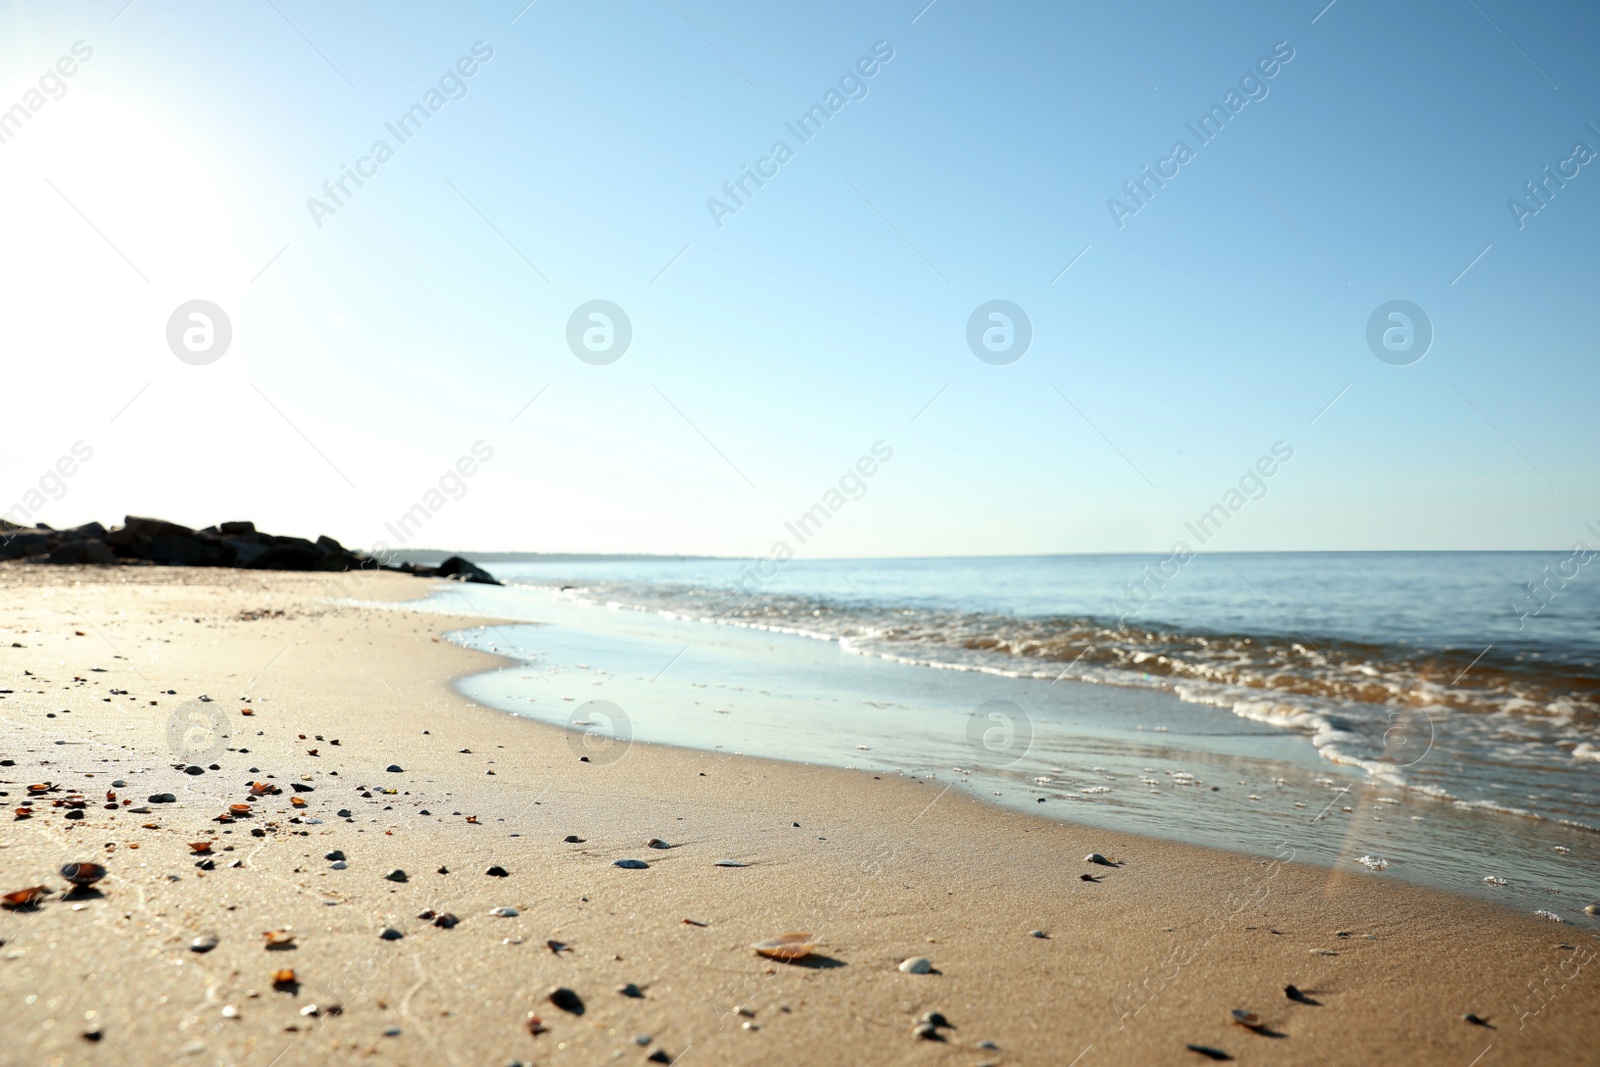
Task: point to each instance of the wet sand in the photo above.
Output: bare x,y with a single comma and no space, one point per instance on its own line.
1151,955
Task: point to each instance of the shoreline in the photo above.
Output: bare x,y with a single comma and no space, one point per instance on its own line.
1152,956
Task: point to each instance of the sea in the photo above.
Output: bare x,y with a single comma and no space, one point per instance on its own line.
1428,716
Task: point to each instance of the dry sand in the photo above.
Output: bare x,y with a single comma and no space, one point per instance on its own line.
1148,958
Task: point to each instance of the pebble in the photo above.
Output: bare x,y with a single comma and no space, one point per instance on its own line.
230,1011
334,855
927,1032
1592,909
573,839
641,1040
656,842
338,865
917,965
393,1031
391,934
1038,933
729,863
504,912
192,769
935,1018
1095,857
203,943
343,813
566,1000
396,875
395,768
162,798
631,990
497,872
631,865
119,784
987,1046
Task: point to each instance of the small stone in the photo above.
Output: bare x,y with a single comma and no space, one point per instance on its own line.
395,768
505,912
343,813
334,855
1038,933
162,798
927,1032
631,865
641,1040
338,865
445,921
93,1034
1475,1020
656,842
311,1011
389,933
396,875
203,943
659,1055
74,814
566,1000
230,1011
497,872
916,965
573,839
1095,857
393,1031
631,990
935,1018
193,769
987,1046
1592,909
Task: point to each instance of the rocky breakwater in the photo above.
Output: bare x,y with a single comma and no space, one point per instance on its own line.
156,542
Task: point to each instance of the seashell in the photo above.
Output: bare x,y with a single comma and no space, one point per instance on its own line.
200,846
278,938
935,1018
786,947
729,863
284,977
203,943
83,874
566,1000
1095,857
926,1032
1209,1052
297,802
505,912
631,865
240,809
26,898
1249,1019
916,965
230,1011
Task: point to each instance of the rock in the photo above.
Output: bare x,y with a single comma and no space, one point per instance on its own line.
504,912
343,813
94,553
917,965
336,854
396,875
395,768
162,798
656,842
631,865
235,529
573,839
1038,933
194,769
338,865
497,872
987,1045
566,1000
203,943
631,990
445,920
389,933
462,570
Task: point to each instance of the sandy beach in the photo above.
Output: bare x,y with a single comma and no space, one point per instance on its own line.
101,675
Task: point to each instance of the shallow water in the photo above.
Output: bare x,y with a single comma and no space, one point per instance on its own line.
1131,757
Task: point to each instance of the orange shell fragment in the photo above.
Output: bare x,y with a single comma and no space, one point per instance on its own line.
786,947
23,898
284,977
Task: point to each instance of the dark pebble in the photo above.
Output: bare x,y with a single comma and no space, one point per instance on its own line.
396,875
395,768
631,990
194,769
566,1000
162,798
497,872
573,839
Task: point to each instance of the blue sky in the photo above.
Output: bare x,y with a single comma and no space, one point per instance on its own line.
371,351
